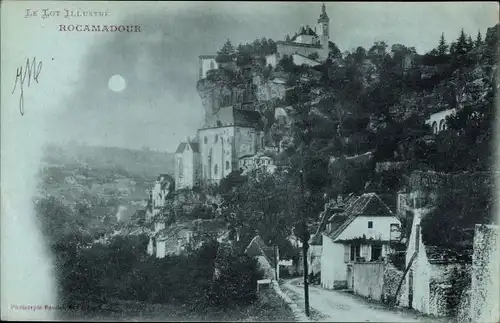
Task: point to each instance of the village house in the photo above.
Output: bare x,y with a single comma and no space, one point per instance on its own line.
361,233
187,165
180,237
327,219
173,240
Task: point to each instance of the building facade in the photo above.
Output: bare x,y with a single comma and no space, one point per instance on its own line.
206,63
228,135
361,233
187,165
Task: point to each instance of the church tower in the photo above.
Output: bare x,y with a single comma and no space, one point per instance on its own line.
323,32
323,26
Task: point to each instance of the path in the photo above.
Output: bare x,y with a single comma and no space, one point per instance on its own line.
340,306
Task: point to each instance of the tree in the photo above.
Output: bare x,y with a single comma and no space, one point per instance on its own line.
227,53
442,48
469,44
334,51
460,47
479,39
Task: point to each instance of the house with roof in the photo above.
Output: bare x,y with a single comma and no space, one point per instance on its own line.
265,257
174,240
360,233
187,165
327,218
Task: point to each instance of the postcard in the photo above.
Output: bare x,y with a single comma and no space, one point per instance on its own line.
249,161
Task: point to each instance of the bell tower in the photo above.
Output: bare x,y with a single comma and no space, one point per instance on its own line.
323,25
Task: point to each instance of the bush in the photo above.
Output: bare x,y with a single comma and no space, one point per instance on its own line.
237,280
121,270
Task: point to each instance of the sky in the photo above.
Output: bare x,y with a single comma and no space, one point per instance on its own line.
159,105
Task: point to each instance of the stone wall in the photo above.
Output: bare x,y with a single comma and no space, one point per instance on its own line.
485,287
369,279
392,277
429,181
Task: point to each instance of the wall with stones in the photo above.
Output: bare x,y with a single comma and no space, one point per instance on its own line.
485,287
392,277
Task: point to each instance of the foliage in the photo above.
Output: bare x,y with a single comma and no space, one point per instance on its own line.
259,47
237,279
121,270
450,224
227,53
442,48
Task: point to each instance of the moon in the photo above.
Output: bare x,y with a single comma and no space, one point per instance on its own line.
117,83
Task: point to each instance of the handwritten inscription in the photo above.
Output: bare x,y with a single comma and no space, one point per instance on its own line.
31,71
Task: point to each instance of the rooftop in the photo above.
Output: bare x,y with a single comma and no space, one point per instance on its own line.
290,43
195,147
367,204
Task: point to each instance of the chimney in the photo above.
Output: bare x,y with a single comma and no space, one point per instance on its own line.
188,140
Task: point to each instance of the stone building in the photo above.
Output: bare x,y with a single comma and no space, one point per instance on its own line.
227,136
187,165
306,42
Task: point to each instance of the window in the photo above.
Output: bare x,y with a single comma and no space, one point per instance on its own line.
227,165
262,141
370,224
205,140
216,138
212,65
216,168
376,252
434,127
355,252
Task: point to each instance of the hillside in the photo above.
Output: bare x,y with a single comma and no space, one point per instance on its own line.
135,162
91,189
368,102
